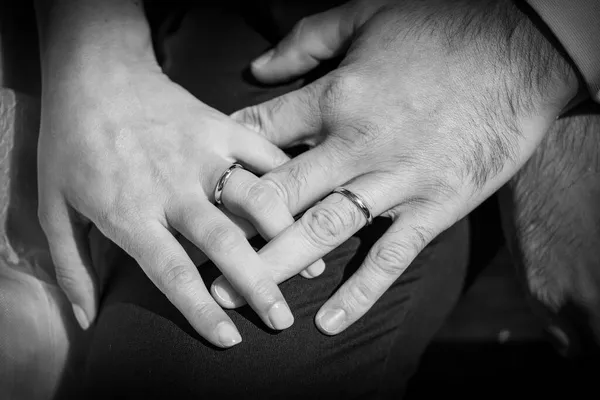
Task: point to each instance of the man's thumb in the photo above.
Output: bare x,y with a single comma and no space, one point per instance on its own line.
312,40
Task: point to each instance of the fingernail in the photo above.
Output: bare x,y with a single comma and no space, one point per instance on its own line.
306,274
332,320
226,293
262,60
280,316
80,316
317,268
228,335
280,159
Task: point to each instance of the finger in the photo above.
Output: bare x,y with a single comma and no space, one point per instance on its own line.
314,270
312,40
309,177
165,262
255,151
267,212
225,244
68,243
248,197
385,262
287,120
320,230
229,298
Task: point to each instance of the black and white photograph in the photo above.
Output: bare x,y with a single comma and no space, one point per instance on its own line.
299,199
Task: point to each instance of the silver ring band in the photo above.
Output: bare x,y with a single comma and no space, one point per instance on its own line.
358,202
223,180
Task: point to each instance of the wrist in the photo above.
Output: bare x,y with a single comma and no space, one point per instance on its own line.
545,69
87,37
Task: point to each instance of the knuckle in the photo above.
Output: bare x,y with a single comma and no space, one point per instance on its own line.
325,226
260,118
350,82
277,188
266,116
131,244
359,138
289,183
391,259
116,218
360,296
254,120
299,29
342,93
176,276
260,197
364,132
421,237
133,238
245,117
124,209
205,310
186,212
222,239
262,290
66,280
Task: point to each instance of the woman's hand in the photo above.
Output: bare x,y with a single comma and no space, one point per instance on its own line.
124,148
434,106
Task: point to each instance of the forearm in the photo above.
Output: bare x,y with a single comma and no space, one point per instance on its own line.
536,75
76,35
547,73
551,220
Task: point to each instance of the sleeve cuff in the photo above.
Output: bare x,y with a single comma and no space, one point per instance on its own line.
576,24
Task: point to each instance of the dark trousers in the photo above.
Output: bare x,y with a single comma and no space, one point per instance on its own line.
143,348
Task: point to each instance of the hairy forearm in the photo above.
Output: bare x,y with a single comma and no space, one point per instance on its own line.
525,73
537,76
554,200
552,220
506,73
79,34
544,73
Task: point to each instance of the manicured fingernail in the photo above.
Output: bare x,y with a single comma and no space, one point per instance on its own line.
280,316
228,335
306,274
262,60
226,293
316,269
332,320
280,159
80,316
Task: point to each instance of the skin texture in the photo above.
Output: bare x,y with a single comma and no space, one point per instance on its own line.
433,107
125,149
550,211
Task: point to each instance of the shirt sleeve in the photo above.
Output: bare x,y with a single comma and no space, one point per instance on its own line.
576,24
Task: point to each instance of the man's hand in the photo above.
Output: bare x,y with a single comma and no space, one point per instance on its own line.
434,106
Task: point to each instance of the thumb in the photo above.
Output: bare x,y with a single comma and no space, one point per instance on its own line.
70,252
287,120
312,40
